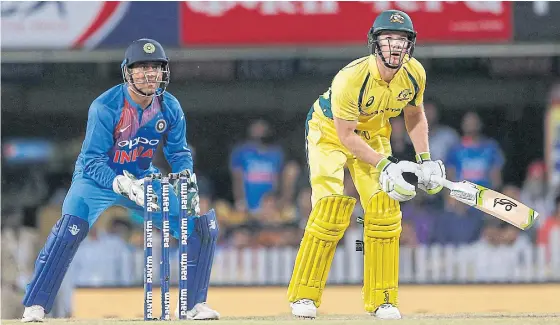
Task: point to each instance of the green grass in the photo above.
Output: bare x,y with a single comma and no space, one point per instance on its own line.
458,319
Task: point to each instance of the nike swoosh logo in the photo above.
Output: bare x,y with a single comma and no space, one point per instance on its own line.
124,129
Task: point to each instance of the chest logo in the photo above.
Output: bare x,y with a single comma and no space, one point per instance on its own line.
405,94
370,101
161,125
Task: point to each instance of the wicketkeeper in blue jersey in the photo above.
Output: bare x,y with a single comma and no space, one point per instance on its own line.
125,125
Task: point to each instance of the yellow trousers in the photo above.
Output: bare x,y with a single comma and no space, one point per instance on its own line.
327,158
331,213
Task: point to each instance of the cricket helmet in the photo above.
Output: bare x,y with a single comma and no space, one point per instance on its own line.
392,21
146,50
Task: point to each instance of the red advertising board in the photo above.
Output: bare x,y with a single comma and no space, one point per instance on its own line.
258,23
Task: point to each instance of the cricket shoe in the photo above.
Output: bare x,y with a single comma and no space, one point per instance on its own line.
304,308
34,313
387,311
200,311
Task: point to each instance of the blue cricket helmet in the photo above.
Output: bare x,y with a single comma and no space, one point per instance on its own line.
145,50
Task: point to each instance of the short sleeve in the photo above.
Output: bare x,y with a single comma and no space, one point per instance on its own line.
498,159
451,159
344,99
420,79
236,159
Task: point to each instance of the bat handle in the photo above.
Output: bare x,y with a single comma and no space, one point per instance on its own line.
411,167
443,181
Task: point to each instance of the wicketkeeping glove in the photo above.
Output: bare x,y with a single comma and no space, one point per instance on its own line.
128,186
391,179
427,169
193,200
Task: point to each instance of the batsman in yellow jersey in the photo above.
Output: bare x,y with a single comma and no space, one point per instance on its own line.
349,126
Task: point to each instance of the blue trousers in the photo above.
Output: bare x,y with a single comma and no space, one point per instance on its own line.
87,200
83,205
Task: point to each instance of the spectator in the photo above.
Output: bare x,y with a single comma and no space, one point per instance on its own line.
550,225
255,167
205,186
269,237
421,218
228,218
103,259
121,228
552,137
269,214
442,137
292,171
408,235
12,290
291,235
459,224
486,265
205,203
497,254
303,206
477,158
535,193
241,237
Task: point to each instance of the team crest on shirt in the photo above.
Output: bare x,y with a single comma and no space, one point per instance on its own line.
161,125
405,94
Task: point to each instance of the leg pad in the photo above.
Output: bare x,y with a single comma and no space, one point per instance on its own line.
54,259
201,247
326,225
382,229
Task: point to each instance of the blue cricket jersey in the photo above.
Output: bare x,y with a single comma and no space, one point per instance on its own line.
473,161
261,171
122,136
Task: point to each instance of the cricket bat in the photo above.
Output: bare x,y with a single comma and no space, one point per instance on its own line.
491,202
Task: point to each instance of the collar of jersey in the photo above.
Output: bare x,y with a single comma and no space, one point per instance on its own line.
375,71
132,102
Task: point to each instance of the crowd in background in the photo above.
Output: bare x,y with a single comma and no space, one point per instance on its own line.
271,200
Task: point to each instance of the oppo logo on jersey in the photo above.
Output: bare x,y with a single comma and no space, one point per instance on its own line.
134,142
123,156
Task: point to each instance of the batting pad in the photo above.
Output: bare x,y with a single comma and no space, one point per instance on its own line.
382,229
54,259
326,225
200,250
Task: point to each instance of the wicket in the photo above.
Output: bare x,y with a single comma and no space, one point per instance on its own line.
150,198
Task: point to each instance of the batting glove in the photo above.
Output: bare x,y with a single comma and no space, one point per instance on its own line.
426,170
391,179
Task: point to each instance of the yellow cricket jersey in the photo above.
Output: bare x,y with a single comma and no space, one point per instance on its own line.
358,93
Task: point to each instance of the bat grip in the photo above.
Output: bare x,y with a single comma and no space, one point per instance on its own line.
443,181
410,167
